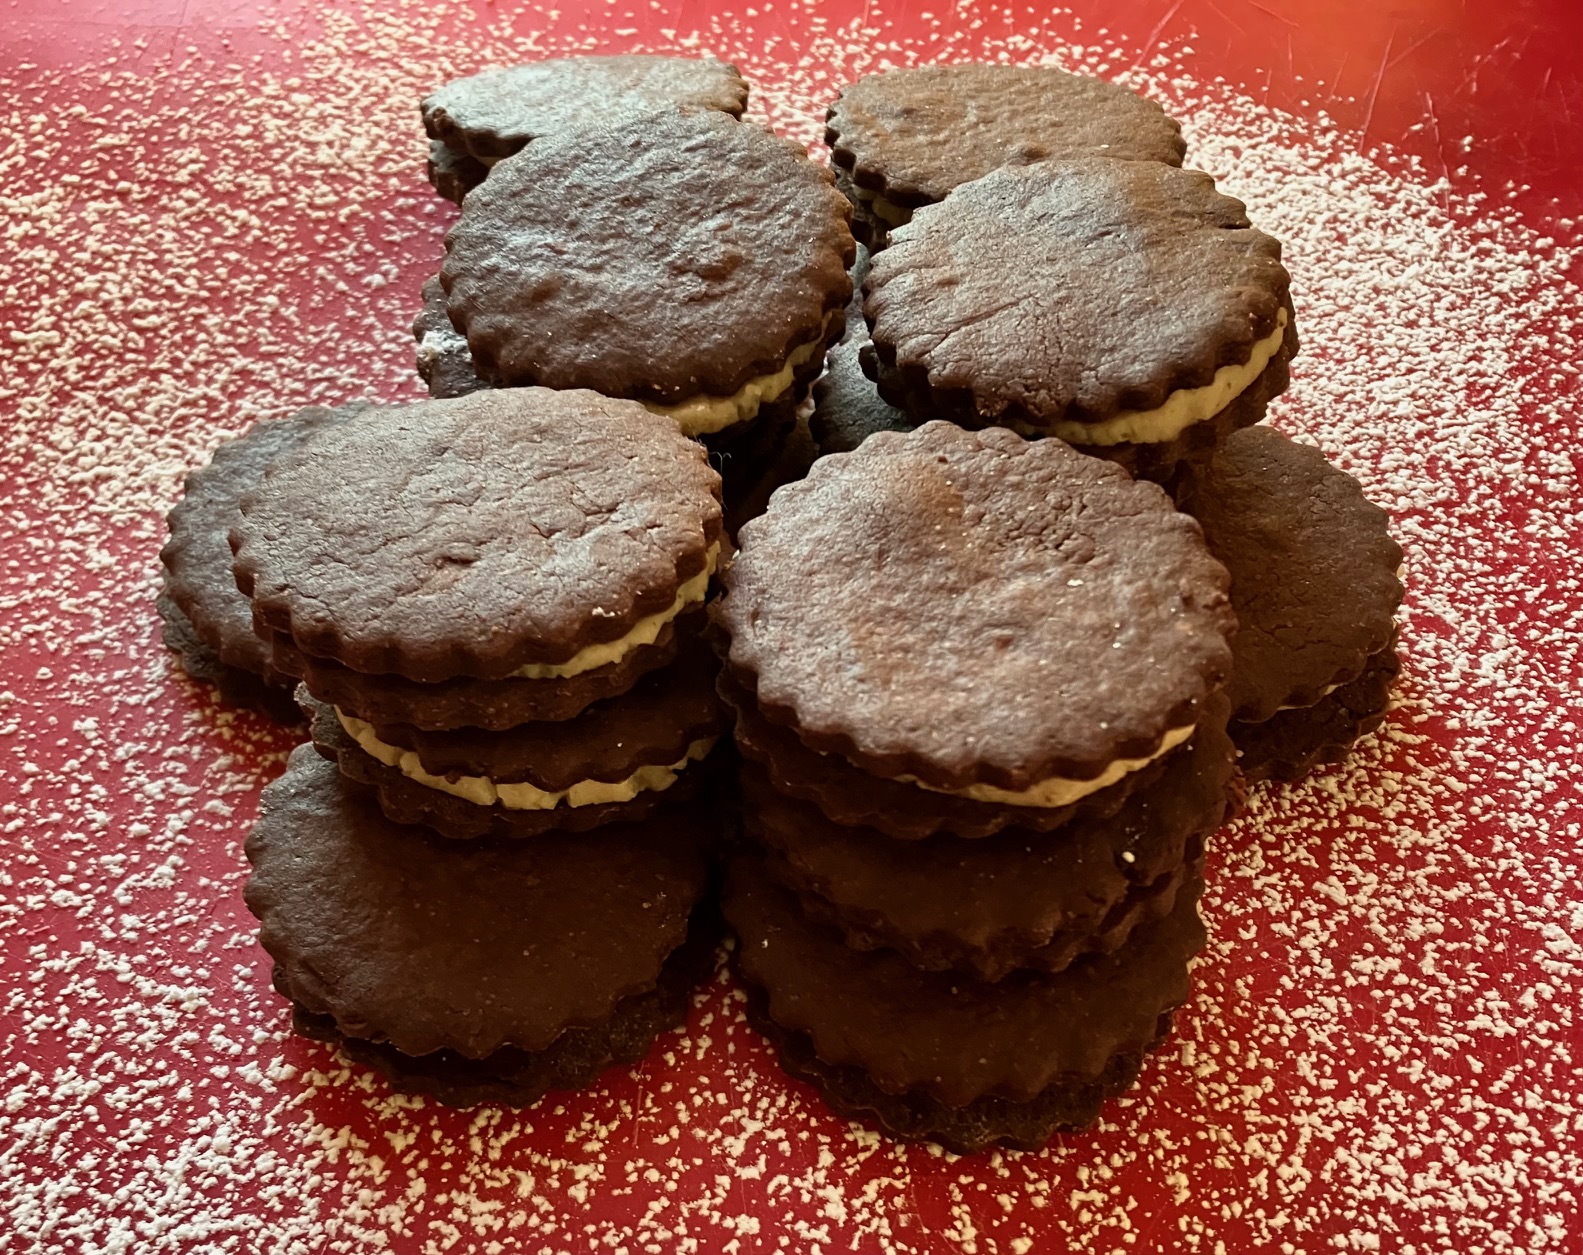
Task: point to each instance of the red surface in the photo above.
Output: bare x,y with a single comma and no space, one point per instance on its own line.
1332,1088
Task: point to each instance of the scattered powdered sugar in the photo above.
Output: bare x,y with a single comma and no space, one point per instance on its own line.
1384,1051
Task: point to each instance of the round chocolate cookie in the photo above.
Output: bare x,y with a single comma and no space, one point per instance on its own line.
847,408
1291,743
951,1039
491,705
1014,900
444,363
212,624
499,112
453,174
1124,306
236,687
1313,570
511,1077
980,615
400,938
851,797
477,809
916,1117
664,715
900,139
703,272
481,536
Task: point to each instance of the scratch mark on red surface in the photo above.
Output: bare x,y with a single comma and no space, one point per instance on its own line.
1152,40
1440,147
1233,21
1414,47
1265,9
1374,89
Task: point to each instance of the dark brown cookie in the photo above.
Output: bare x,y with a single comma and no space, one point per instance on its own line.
511,1077
1313,570
499,112
444,362
480,535
705,264
943,1035
853,798
982,614
405,800
401,938
493,705
915,1117
197,557
453,174
856,327
750,498
1014,900
1291,743
847,407
905,138
236,687
1114,304
655,724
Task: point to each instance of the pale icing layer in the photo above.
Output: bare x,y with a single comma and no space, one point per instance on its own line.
483,791
644,632
888,213
1181,409
704,415
1058,791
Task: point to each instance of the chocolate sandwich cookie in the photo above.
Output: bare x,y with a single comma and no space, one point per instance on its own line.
1124,306
453,174
494,114
974,1063
978,616
490,705
847,407
851,797
902,139
1015,900
206,620
1314,583
444,363
521,533
856,327
703,274
389,936
633,749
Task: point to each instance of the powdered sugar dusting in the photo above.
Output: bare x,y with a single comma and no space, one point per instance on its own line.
1384,1052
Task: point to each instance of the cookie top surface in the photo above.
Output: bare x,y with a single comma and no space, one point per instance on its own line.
197,557
957,1039
403,937
915,134
495,113
972,608
477,535
702,251
1313,569
1071,290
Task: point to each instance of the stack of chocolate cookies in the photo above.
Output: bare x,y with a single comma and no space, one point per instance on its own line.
979,693
494,605
703,273
476,121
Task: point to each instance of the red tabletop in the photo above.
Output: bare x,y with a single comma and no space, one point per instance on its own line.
214,210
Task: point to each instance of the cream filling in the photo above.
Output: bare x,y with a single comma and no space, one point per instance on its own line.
704,415
483,791
1326,693
1058,791
1181,409
644,632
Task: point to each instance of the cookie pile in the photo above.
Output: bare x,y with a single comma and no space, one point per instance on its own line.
993,681
494,604
979,694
